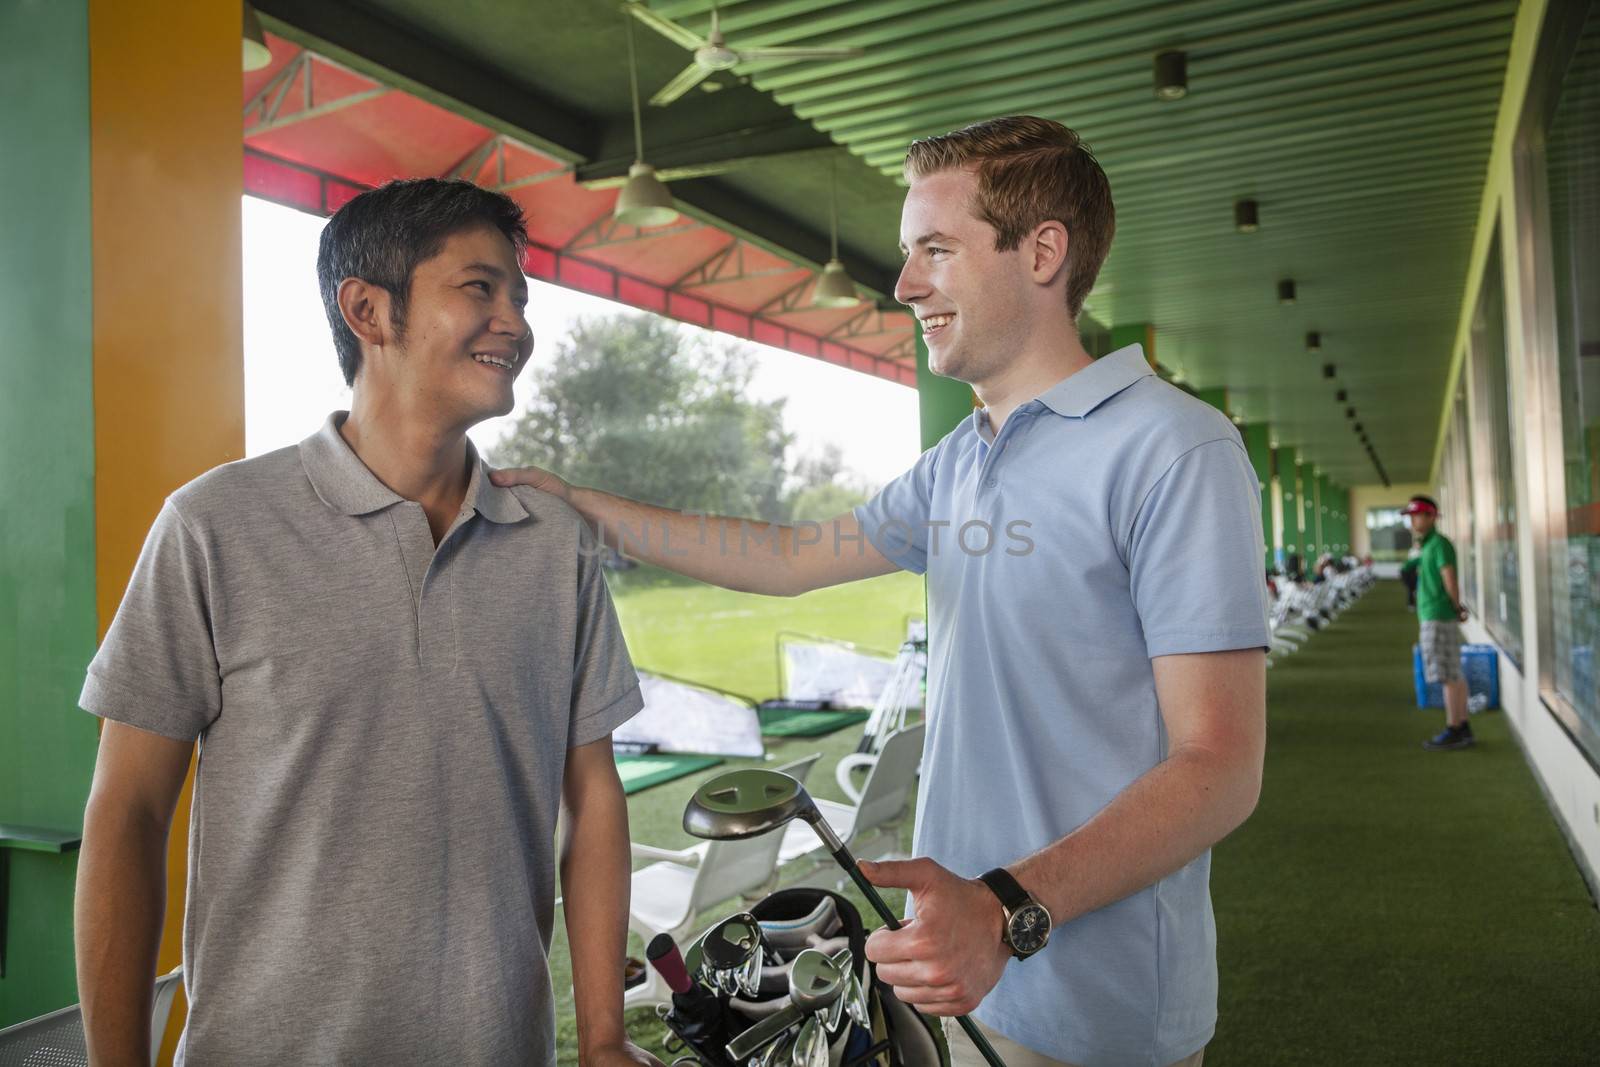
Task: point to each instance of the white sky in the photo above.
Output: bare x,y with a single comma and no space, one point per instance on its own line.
292,377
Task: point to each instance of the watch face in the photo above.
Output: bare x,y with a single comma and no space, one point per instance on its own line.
1030,929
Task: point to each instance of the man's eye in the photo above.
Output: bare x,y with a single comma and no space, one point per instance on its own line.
934,250
483,284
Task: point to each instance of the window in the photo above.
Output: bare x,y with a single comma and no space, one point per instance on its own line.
1561,172
1455,498
1497,519
1388,535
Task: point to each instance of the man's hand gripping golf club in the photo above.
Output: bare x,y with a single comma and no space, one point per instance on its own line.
749,802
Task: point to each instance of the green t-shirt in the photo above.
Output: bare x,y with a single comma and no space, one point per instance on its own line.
1433,602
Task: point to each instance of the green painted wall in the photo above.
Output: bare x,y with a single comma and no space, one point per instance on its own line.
941,402
1258,444
1217,398
48,627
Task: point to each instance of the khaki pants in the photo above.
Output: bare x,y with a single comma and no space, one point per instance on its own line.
964,1054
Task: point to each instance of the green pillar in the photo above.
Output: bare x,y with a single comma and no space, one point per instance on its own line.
1289,483
941,402
1305,499
1135,333
49,623
1257,438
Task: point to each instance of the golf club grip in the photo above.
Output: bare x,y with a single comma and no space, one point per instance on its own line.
870,891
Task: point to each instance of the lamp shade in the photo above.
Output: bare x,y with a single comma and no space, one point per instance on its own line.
256,53
834,288
644,201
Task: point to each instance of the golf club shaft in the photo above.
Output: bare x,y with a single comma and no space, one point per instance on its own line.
870,891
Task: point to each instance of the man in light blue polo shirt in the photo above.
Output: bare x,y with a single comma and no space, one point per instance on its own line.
1096,686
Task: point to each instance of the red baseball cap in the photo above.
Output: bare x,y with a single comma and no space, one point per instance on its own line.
1420,505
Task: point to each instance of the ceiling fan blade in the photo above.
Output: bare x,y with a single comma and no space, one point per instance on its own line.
750,55
665,27
687,79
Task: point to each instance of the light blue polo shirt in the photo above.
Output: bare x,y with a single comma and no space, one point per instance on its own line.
1114,519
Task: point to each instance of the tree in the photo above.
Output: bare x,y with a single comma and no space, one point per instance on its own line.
823,488
633,406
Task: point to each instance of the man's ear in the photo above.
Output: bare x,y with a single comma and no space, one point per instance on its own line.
1049,246
366,310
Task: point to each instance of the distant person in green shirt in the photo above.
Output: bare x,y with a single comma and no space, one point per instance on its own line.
1440,613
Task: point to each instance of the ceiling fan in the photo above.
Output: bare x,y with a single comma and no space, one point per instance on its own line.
712,54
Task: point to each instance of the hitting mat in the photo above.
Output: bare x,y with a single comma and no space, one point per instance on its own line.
801,718
643,771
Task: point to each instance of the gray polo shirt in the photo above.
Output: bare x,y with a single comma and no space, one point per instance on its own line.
1114,519
383,729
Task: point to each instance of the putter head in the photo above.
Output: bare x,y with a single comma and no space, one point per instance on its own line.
746,803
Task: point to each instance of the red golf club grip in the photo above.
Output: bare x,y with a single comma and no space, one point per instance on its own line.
664,956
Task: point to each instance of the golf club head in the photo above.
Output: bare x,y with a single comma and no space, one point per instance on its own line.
816,981
810,1045
746,803
730,955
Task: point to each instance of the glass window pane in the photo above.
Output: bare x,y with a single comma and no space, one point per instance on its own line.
1502,601
1571,166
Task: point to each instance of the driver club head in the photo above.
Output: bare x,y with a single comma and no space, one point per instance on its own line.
747,803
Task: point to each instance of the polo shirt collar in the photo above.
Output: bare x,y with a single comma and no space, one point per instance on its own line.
345,484
1076,395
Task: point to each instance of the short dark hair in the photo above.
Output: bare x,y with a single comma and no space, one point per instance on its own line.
1030,170
383,234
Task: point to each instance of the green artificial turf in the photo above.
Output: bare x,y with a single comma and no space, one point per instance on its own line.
1384,905
1389,905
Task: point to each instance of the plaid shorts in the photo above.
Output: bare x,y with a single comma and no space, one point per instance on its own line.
1441,651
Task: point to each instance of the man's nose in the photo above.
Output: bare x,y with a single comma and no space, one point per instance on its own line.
909,287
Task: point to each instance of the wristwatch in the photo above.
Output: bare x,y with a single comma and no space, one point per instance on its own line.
1027,925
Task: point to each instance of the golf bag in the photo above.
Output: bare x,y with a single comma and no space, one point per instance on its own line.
873,1030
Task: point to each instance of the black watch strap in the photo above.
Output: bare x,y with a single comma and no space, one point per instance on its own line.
1007,888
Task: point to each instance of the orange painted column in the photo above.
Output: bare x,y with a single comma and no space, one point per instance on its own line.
166,183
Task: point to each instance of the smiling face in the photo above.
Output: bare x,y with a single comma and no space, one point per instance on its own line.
973,303
465,338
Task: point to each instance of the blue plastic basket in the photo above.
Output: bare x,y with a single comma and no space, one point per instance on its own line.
1481,666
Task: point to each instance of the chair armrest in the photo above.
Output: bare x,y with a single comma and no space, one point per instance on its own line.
690,856
847,766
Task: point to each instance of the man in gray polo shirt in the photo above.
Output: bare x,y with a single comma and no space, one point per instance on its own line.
396,672
1096,683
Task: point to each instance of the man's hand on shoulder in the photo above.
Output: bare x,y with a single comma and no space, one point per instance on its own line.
947,959
537,477
626,1054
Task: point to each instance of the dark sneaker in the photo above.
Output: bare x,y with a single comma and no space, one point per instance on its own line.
1451,737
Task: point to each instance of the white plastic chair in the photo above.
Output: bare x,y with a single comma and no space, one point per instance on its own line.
870,825
668,895
56,1038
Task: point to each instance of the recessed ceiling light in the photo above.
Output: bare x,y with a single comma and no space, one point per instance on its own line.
1349,413
1286,291
1329,371
1313,342
1246,216
1341,396
1172,76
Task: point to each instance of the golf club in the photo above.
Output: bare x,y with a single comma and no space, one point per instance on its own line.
748,802
731,955
816,981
